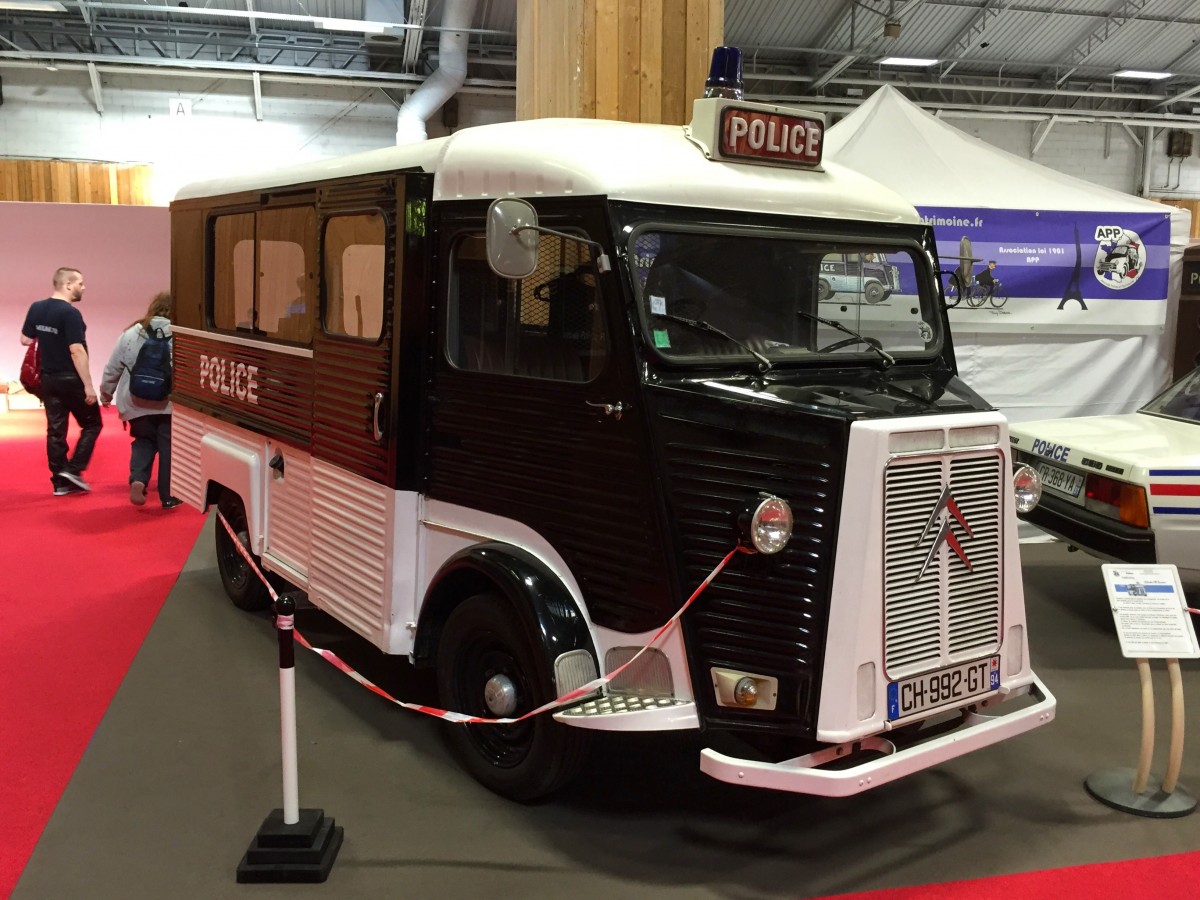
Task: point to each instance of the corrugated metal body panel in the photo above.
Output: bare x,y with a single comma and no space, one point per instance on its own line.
186,432
213,375
289,509
349,377
535,452
765,614
351,547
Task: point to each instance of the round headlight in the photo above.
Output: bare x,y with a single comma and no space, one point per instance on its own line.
771,525
1027,488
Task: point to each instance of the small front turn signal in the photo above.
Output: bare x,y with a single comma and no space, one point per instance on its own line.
1027,488
770,525
745,692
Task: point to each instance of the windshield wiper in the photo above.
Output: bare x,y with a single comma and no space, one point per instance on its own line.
764,364
888,359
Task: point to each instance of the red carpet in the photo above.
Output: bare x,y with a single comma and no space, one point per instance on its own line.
83,578
1160,878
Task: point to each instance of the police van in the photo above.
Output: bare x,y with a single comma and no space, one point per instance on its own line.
501,401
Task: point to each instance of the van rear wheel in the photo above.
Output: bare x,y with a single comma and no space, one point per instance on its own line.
488,666
242,585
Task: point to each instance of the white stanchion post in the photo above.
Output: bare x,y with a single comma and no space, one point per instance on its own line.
293,844
285,608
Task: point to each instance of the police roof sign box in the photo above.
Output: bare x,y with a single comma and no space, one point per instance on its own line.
757,132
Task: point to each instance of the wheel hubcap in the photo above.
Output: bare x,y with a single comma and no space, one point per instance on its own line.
500,695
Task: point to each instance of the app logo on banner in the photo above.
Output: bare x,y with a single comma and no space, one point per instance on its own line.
1120,257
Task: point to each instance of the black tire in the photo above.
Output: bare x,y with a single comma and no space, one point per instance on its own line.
977,297
999,298
526,762
824,291
874,292
242,585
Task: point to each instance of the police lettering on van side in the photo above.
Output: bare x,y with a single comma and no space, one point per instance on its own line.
229,378
1059,452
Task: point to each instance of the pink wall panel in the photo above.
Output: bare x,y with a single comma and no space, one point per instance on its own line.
124,253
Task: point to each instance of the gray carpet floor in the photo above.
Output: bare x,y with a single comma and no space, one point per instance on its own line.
185,765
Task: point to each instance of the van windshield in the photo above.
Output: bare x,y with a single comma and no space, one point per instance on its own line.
710,297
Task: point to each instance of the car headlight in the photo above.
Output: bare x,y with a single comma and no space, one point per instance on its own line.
770,525
1027,488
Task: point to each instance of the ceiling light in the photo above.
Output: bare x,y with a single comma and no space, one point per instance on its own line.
1141,74
907,61
355,25
33,5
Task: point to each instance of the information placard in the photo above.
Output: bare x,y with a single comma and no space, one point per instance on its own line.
1150,612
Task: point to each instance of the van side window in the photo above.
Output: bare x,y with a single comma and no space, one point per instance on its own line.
233,286
266,265
354,264
549,325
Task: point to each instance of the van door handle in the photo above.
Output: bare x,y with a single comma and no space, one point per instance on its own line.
375,417
610,409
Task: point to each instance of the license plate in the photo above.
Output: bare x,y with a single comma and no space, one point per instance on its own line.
945,687
1060,479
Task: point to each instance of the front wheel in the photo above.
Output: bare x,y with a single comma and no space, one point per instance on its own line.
242,584
488,666
999,297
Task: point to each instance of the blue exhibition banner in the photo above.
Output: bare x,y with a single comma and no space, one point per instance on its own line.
1053,261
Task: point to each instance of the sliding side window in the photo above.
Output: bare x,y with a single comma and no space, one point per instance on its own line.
264,273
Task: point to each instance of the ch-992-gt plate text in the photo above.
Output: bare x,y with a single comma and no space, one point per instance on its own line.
954,686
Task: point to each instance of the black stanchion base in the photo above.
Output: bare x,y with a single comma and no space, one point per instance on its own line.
1114,787
282,853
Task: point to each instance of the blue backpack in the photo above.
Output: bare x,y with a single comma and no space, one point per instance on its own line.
150,377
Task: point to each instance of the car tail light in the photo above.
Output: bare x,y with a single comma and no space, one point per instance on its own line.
1117,500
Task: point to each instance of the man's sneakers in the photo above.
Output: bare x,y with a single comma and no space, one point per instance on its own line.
137,493
80,484
61,490
171,503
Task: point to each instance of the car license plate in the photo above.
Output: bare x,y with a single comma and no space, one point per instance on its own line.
945,687
1060,479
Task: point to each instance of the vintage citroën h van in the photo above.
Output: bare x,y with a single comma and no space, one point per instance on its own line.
500,401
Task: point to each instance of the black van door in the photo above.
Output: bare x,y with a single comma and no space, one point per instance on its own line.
534,408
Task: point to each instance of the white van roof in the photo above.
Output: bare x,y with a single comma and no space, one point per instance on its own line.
586,157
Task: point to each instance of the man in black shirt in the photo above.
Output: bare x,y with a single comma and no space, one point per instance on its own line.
67,388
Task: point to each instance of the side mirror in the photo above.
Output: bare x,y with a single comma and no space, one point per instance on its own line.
512,238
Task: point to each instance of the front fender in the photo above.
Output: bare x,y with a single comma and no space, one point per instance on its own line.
541,600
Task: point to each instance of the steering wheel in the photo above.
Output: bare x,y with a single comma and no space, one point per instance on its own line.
847,342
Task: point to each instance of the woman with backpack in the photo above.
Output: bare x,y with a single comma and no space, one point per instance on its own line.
138,375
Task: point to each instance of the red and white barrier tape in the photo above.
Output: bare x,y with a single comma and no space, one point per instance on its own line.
462,718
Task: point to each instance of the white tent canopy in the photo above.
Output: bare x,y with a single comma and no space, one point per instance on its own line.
1038,372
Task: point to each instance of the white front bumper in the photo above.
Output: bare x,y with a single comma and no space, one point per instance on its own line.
801,775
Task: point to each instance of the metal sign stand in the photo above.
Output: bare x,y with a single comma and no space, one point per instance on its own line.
292,845
1149,611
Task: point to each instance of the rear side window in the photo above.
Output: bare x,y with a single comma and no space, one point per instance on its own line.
354,272
264,273
549,325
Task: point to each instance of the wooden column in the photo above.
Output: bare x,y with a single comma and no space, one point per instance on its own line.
633,60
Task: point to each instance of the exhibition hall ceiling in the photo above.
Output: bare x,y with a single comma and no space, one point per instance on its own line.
1068,59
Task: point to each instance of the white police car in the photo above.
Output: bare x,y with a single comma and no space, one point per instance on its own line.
1123,488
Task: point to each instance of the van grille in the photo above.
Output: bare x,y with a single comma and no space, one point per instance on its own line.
951,613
